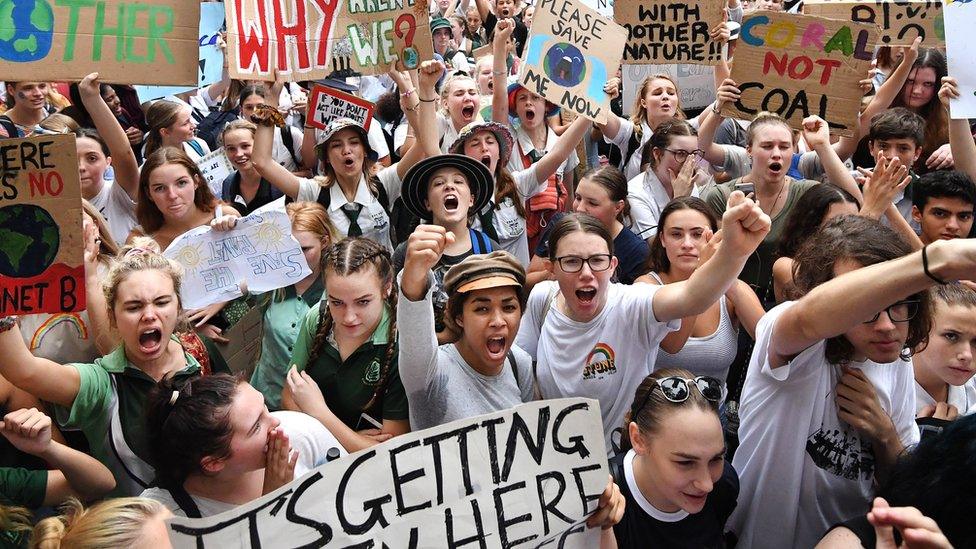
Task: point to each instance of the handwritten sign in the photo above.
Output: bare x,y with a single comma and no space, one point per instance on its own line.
215,167
572,51
901,21
42,267
211,58
378,33
663,31
329,104
960,18
523,477
259,252
800,65
696,83
128,42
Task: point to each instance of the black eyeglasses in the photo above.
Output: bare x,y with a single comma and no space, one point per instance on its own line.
574,263
677,390
681,155
902,311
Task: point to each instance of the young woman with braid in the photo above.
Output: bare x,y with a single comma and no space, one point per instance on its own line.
344,368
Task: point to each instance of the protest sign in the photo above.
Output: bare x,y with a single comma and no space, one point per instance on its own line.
211,56
329,104
129,42
603,7
378,33
259,252
901,21
801,65
215,167
696,83
572,51
244,339
42,268
663,31
960,20
522,477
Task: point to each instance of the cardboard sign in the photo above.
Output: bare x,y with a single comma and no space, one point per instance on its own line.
259,252
211,58
571,53
374,34
127,42
329,104
215,167
42,267
960,22
603,7
696,83
802,65
523,477
901,21
243,349
663,32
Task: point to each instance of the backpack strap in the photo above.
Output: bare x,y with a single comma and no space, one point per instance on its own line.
8,125
479,242
186,503
550,299
196,147
288,140
510,356
617,471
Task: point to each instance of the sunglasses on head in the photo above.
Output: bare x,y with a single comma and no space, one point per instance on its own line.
678,389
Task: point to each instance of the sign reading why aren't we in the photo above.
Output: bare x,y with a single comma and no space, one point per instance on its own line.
42,267
525,477
901,21
572,52
128,42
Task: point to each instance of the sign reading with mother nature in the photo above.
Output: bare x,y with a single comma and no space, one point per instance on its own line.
42,267
664,31
525,477
129,42
801,65
572,52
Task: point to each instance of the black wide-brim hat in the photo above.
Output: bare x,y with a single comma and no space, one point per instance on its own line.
414,189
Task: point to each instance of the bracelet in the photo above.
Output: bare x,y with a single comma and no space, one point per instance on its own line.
413,108
426,100
7,323
714,109
925,267
407,93
499,73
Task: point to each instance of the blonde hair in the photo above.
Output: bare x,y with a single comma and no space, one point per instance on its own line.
638,114
59,123
160,115
312,217
766,118
108,525
14,519
446,89
107,249
239,124
142,255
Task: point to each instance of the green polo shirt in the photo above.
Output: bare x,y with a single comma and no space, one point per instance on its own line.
92,411
284,317
348,385
20,488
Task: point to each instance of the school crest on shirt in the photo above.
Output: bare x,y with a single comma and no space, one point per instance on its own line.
600,362
372,374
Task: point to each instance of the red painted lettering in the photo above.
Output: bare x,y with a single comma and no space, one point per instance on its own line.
296,30
252,43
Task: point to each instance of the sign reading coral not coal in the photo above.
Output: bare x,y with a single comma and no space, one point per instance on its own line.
664,32
42,267
802,65
129,42
328,104
901,21
572,53
524,477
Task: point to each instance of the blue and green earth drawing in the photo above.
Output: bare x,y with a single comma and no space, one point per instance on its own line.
26,30
29,240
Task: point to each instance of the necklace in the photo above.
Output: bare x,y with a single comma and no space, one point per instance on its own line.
776,200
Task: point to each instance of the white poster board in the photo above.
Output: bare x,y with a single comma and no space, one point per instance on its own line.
215,167
259,252
960,20
523,477
696,83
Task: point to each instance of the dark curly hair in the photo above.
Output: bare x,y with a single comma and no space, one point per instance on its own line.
808,215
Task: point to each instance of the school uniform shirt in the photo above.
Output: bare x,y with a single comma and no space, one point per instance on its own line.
605,358
632,166
447,131
801,468
524,149
20,488
647,197
441,385
280,152
643,523
284,315
230,192
349,384
963,397
118,209
373,219
506,221
110,409
306,434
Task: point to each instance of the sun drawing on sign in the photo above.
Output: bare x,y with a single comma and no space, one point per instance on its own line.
269,236
189,256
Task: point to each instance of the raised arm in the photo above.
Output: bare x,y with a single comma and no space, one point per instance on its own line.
261,156
102,334
123,159
960,136
721,71
421,114
817,136
564,146
499,71
40,377
888,178
726,93
744,225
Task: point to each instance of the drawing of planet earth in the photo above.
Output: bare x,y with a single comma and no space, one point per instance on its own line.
29,240
564,65
26,30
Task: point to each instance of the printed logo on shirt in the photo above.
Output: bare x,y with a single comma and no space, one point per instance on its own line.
372,374
841,453
600,362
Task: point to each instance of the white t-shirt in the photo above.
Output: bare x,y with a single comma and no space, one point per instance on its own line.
373,219
632,168
507,221
118,209
962,397
280,152
605,358
647,197
377,141
801,469
305,434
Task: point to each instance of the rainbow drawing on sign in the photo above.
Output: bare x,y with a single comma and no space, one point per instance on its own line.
73,318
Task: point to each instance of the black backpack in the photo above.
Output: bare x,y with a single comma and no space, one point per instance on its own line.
8,125
210,127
